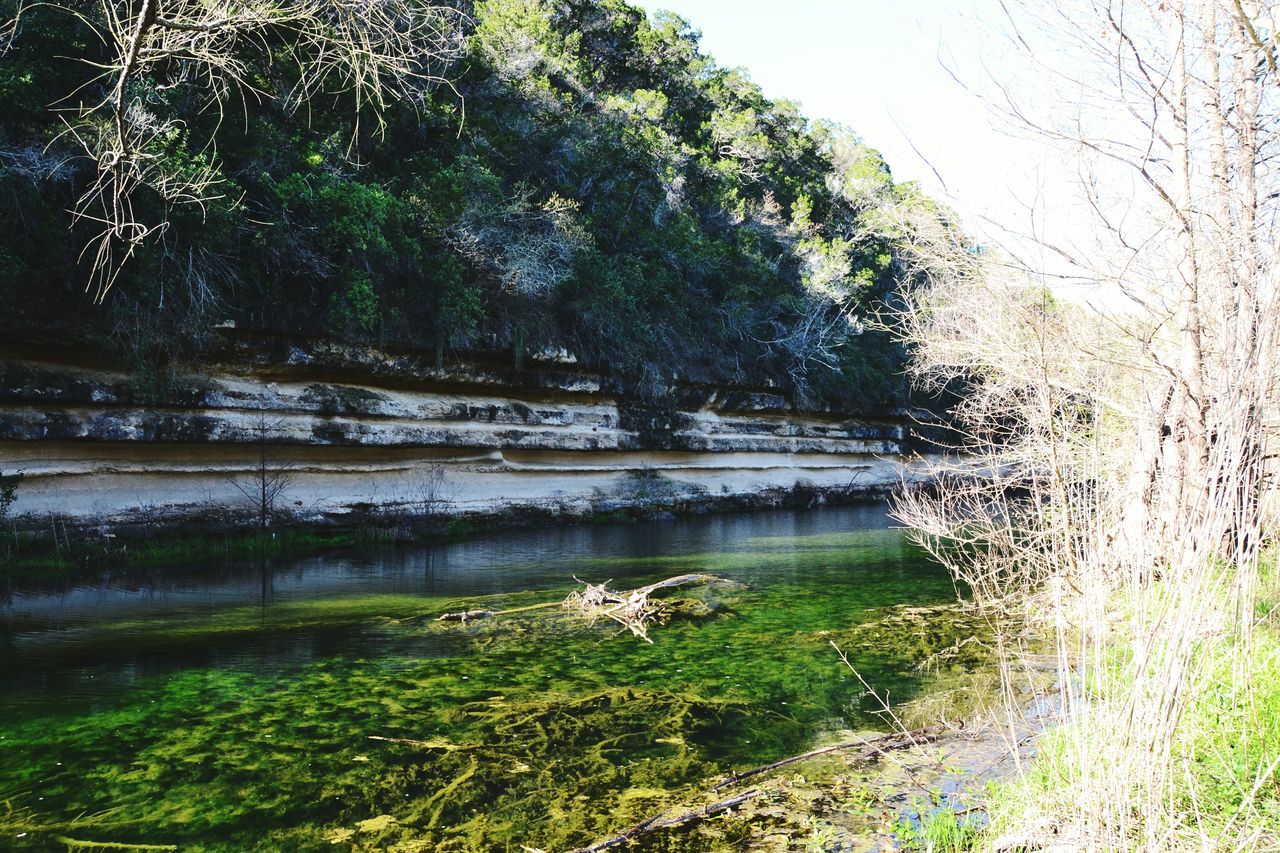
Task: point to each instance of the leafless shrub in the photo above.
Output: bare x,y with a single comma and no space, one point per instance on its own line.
272,474
10,19
529,246
814,338
430,492
36,164
1109,472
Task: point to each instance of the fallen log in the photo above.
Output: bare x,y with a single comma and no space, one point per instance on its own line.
870,748
630,608
660,822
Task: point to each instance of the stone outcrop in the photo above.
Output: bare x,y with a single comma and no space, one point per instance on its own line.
360,431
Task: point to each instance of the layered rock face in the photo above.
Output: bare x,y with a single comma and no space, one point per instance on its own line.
347,432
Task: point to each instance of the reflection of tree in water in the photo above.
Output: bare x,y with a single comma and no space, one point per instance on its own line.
268,583
429,572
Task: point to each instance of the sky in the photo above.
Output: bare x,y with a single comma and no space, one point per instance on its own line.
875,66
887,69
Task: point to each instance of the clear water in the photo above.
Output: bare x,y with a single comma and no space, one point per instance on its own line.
231,707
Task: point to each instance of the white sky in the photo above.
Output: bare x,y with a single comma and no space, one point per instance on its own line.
874,66
880,67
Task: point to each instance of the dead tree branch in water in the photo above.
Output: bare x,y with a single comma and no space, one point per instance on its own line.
631,609
465,616
871,748
657,823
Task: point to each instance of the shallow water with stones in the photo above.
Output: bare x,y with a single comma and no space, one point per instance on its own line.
236,706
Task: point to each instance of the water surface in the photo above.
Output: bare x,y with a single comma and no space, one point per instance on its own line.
233,706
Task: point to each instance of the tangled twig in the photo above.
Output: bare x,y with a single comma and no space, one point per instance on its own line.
631,609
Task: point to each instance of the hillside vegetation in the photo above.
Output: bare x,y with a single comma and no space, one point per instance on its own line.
569,175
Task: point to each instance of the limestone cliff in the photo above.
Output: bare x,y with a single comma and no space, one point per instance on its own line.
363,431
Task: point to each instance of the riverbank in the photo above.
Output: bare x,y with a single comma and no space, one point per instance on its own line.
1087,786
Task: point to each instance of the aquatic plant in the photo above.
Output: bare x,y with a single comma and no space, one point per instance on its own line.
363,719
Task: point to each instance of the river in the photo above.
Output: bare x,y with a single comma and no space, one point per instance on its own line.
310,703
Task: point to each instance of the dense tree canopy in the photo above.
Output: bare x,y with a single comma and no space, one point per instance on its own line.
588,180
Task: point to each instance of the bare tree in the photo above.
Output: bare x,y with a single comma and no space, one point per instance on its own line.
528,245
1110,471
272,473
377,52
10,18
814,338
430,491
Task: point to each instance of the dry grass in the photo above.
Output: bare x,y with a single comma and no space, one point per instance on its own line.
1112,486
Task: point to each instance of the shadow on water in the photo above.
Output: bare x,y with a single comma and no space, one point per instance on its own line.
231,706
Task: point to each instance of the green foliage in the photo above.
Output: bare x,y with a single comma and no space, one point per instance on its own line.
33,557
356,308
940,830
457,528
612,191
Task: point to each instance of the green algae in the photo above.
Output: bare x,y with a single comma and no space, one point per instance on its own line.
944,636
529,729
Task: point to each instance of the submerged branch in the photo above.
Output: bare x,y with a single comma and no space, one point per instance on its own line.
630,608
425,744
659,822
871,748
465,616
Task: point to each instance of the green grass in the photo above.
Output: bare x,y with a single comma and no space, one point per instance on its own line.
1231,739
458,528
1224,783
940,830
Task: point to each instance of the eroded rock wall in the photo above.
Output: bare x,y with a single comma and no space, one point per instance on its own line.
358,431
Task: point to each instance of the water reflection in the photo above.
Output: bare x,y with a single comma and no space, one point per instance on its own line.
523,559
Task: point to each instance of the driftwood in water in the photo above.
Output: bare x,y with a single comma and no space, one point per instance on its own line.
471,615
660,822
870,748
425,744
466,616
631,609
